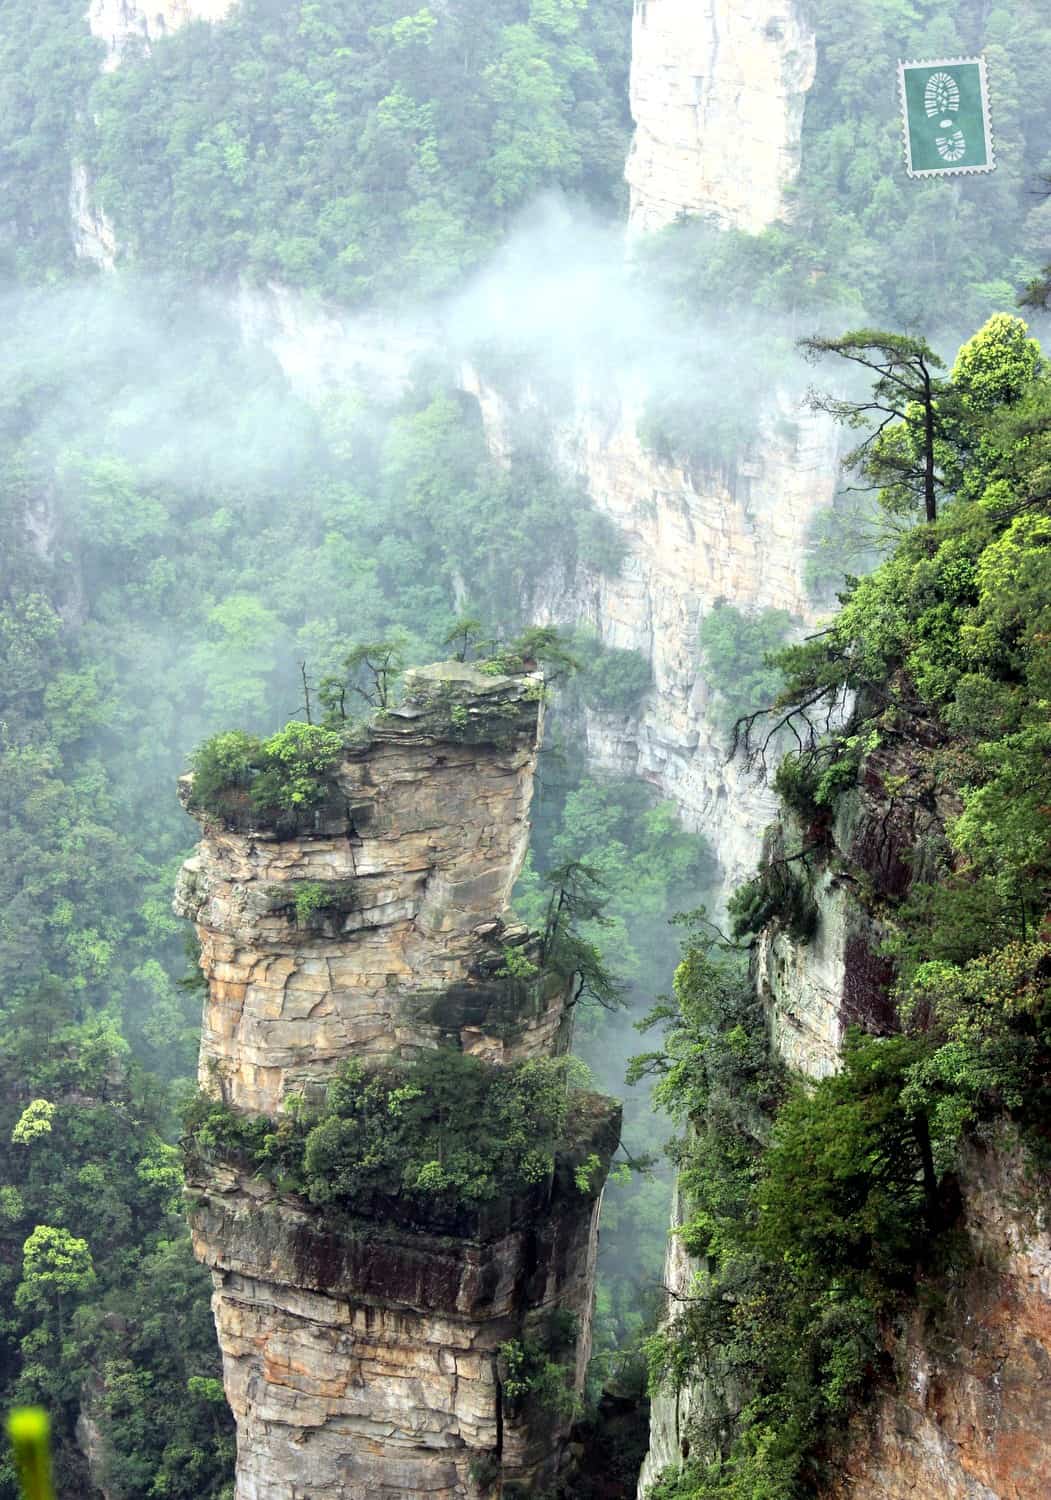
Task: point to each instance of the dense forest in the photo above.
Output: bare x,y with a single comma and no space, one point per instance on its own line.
182,529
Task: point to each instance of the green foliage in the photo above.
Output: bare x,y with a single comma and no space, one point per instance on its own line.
817,1200
736,649
35,1120
357,150
862,235
533,1378
844,1201
907,403
48,62
613,681
236,775
578,900
104,1302
369,671
781,892
447,1128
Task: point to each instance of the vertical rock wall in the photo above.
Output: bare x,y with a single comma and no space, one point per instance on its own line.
737,534
717,93
361,1348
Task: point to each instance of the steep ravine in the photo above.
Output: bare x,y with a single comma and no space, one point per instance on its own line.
717,96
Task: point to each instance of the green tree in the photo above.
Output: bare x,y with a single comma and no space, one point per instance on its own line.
56,1266
899,457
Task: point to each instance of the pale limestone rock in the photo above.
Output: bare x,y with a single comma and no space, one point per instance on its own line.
94,237
320,348
717,92
692,538
670,1413
119,22
801,985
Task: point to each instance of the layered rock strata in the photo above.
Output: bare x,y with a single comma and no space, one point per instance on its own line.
717,93
362,1349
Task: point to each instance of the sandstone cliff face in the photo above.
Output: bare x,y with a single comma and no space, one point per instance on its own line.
364,1361
361,1348
717,93
415,857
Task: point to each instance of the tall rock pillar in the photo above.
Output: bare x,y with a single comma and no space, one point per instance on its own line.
717,92
365,1350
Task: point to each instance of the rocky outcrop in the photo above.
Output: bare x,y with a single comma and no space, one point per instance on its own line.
364,1360
321,349
120,23
94,238
717,92
362,1348
412,862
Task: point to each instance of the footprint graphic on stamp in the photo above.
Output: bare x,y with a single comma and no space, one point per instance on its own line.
941,96
951,147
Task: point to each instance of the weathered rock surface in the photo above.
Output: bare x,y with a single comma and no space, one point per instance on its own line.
415,856
361,1353
692,538
363,1359
971,1418
970,1414
94,238
120,22
717,93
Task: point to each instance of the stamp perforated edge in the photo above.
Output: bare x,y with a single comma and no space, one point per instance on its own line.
983,79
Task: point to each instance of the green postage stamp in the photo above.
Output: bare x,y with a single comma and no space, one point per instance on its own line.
945,105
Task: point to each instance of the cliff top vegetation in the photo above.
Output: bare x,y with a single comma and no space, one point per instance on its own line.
928,694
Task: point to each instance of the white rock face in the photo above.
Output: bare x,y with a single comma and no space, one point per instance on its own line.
320,349
717,93
118,22
692,539
94,238
802,985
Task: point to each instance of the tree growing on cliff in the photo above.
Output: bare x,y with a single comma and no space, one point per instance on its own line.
899,457
578,897
369,671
